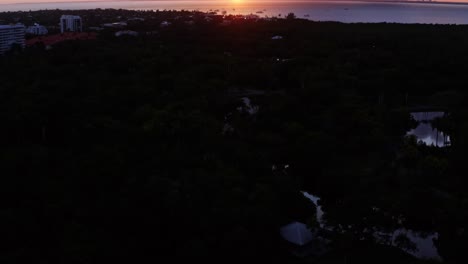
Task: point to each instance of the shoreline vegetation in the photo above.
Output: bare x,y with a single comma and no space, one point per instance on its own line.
190,136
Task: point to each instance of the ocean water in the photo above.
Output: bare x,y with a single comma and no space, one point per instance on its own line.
342,11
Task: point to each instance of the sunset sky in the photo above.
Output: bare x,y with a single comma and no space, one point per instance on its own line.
244,1
9,5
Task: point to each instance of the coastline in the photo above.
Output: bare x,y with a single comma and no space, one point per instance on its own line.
343,11
250,2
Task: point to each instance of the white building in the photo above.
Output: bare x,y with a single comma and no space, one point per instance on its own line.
37,30
9,35
70,23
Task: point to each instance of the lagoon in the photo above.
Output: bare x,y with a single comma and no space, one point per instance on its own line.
426,133
424,243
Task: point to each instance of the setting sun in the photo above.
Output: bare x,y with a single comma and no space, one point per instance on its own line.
237,1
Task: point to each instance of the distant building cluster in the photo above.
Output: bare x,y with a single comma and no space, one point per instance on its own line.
11,35
14,34
71,28
69,23
37,29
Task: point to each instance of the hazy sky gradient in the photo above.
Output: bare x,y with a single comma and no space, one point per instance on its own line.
221,1
245,1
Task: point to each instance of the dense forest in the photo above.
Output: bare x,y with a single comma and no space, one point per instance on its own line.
193,141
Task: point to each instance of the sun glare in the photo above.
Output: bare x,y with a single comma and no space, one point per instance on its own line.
237,1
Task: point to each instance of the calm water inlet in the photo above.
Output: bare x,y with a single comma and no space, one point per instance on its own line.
423,242
426,133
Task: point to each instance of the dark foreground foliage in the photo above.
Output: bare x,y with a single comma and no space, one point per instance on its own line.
134,150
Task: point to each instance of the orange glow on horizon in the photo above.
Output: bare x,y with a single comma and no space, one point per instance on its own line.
229,1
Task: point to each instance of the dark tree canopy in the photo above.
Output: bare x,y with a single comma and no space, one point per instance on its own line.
140,149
